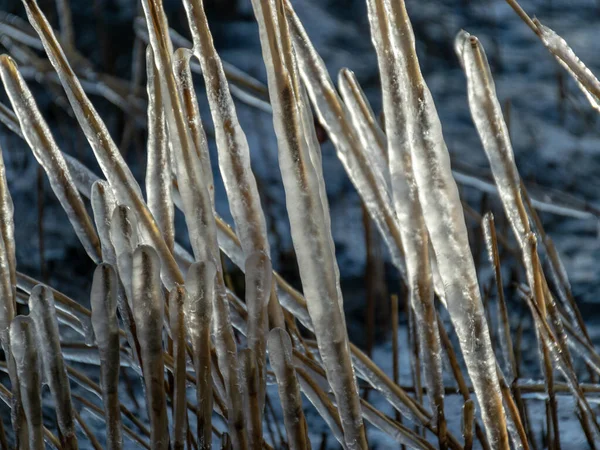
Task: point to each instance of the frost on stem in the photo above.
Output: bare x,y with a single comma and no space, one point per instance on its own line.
299,161
148,310
25,353
46,151
103,299
43,313
405,196
444,218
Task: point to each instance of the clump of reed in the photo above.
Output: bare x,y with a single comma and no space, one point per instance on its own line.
204,357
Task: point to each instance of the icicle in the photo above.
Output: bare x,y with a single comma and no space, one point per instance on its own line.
280,355
258,292
372,138
40,140
158,168
8,279
176,318
25,354
123,234
234,153
335,118
309,219
43,313
103,205
252,403
198,210
587,81
445,222
408,208
148,311
185,82
103,299
116,171
487,115
232,145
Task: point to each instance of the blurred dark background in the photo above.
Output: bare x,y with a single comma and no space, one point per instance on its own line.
555,131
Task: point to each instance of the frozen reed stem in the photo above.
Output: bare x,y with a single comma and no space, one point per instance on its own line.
185,82
335,118
116,171
240,184
468,418
299,161
445,222
398,125
254,416
177,326
103,300
40,140
103,204
43,313
198,210
124,238
148,311
280,355
158,167
25,353
200,293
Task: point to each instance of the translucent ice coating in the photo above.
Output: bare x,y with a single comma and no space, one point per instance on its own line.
299,162
335,118
280,355
158,168
43,313
40,140
397,111
567,58
103,300
148,311
232,145
372,138
200,292
25,352
197,206
444,218
103,204
124,238
8,277
177,327
116,171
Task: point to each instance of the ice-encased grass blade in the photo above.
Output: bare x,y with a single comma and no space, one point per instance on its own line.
309,216
46,151
103,300
177,326
124,238
43,313
280,355
25,352
148,311
198,210
371,136
185,82
158,167
405,196
444,218
116,171
335,118
103,204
